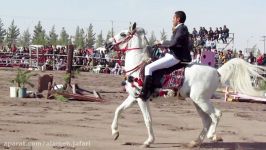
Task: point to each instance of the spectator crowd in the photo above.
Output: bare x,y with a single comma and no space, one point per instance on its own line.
55,58
100,61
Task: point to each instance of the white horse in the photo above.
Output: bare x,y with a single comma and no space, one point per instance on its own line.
200,84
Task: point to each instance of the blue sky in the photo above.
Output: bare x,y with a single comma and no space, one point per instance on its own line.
246,18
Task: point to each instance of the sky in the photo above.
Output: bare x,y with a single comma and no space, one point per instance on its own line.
245,18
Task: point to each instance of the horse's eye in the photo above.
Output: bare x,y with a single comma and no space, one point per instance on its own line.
123,34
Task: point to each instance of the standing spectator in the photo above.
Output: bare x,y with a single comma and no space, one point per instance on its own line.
190,43
251,58
220,59
260,59
216,56
107,57
240,54
264,60
102,57
224,57
194,33
13,48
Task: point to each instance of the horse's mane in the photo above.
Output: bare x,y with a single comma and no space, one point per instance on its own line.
147,50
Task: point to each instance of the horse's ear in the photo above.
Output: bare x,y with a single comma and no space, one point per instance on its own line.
134,26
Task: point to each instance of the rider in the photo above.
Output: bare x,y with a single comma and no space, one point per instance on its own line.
179,51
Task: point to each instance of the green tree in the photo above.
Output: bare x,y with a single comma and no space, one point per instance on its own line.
90,40
100,40
12,33
2,32
77,35
152,38
82,38
24,39
53,37
163,35
79,38
39,35
64,37
108,36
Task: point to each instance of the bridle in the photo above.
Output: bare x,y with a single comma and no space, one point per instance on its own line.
125,40
124,50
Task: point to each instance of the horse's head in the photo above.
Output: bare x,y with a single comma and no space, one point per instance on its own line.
124,39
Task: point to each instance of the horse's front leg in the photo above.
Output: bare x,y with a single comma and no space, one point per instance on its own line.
126,104
145,109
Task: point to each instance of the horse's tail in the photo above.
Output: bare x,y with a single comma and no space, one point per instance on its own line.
237,73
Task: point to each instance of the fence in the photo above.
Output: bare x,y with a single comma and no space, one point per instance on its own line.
36,60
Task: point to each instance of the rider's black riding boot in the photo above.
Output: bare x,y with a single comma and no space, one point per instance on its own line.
147,88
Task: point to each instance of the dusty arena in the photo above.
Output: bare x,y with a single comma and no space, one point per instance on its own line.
33,124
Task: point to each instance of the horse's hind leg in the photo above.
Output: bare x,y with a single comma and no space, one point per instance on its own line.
212,130
206,121
126,104
201,98
215,114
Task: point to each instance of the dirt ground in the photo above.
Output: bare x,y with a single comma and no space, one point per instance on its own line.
33,124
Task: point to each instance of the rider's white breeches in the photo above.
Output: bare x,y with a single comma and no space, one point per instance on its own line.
165,62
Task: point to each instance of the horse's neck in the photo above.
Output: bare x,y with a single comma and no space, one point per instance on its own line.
133,59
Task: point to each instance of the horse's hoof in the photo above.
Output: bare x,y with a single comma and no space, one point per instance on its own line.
145,146
217,139
116,135
192,144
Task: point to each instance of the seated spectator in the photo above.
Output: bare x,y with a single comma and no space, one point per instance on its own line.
221,34
225,34
211,33
194,33
197,42
213,45
106,69
208,44
205,32
201,33
216,34
116,70
197,56
61,65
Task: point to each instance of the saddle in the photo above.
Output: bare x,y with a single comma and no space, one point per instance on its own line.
164,79
169,78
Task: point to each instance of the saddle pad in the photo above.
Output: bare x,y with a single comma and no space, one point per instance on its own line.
173,80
